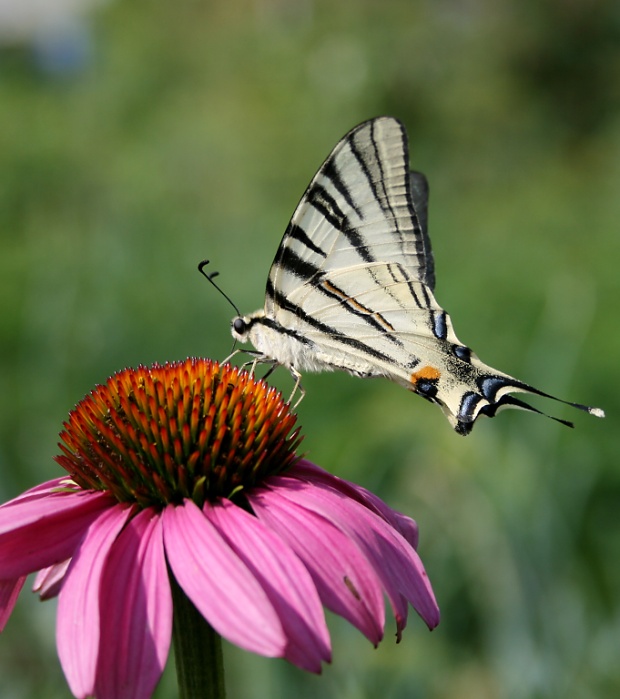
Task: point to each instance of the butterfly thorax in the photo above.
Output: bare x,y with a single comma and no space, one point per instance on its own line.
278,344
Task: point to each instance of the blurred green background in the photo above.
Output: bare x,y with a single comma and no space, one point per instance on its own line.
142,137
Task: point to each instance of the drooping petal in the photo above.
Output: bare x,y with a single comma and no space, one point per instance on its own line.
403,524
284,579
136,606
46,488
40,529
347,584
219,583
395,560
49,580
9,592
78,624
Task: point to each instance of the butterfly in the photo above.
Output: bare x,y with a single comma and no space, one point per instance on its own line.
352,286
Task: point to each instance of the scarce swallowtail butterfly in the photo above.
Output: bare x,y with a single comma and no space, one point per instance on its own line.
351,286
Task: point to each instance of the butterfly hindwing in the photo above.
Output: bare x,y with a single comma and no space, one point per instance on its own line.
419,198
378,321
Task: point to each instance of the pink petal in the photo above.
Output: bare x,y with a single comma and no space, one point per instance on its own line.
284,579
136,605
39,529
49,580
9,592
47,488
313,473
219,583
346,582
78,624
393,558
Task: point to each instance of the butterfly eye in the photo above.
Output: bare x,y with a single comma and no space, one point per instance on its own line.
239,326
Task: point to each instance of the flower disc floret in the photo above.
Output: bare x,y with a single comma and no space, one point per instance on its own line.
192,429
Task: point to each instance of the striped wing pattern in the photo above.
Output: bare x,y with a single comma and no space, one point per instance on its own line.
358,208
351,286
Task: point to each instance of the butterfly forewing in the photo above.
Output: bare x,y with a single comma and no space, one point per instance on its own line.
358,208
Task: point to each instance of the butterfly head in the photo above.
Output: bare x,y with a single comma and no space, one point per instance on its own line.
240,327
252,328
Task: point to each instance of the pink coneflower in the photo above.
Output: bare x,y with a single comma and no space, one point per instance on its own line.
184,484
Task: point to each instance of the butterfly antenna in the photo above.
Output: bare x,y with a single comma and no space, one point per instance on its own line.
210,277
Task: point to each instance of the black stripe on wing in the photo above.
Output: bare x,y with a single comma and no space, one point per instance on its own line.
297,233
373,166
271,323
280,300
363,160
326,205
419,199
356,308
290,261
403,278
333,175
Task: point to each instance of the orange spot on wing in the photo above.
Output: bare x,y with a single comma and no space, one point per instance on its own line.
426,372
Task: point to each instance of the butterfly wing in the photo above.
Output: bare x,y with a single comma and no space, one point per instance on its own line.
419,198
362,206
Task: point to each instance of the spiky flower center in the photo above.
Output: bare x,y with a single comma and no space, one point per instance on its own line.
192,429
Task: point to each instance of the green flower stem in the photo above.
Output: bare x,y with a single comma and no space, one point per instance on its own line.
197,650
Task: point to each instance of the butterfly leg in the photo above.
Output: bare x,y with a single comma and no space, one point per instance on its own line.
261,359
270,370
258,358
297,376
231,355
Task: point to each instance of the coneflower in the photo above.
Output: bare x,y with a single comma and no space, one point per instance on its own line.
185,493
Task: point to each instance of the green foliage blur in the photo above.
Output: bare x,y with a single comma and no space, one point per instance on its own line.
189,130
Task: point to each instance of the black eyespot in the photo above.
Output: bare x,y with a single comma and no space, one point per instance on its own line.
427,388
462,352
467,409
239,326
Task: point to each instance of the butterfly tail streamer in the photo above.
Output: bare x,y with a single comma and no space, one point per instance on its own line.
506,401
